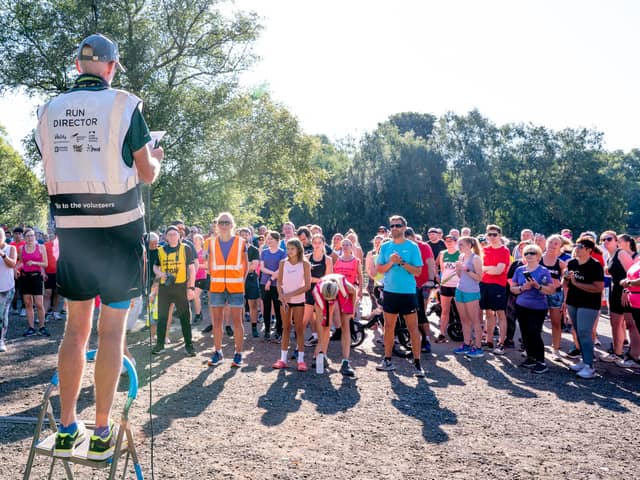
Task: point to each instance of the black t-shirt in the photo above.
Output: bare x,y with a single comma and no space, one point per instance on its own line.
437,247
252,254
589,272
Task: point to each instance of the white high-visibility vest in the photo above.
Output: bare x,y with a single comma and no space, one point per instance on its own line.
80,136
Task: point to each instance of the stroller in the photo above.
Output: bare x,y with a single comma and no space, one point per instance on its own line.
454,329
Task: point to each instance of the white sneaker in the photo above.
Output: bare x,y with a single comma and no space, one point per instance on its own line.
627,362
577,367
587,372
3,347
556,356
611,358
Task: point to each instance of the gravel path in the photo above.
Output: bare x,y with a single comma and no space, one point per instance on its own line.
467,418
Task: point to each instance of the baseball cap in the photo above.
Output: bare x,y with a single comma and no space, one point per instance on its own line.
98,48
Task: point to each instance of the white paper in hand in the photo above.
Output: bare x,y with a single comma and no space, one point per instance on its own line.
156,137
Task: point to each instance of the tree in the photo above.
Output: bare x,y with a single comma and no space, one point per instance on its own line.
22,196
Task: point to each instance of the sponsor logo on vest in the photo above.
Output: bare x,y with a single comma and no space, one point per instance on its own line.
58,149
60,138
91,148
77,148
92,137
78,138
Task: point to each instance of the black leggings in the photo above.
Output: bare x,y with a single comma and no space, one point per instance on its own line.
531,322
636,317
268,297
176,294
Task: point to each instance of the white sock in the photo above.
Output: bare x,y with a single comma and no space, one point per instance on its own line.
283,355
300,357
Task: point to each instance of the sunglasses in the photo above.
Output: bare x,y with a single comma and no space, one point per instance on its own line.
529,253
492,234
224,222
581,246
608,239
396,225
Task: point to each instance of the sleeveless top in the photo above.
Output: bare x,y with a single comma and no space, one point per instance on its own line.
449,275
318,267
616,270
348,268
36,256
7,281
201,274
466,283
293,279
554,270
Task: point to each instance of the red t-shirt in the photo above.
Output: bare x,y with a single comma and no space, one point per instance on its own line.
425,252
52,259
492,257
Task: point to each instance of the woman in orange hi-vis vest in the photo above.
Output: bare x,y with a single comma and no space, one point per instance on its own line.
227,254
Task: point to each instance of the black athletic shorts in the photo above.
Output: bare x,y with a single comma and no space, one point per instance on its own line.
493,296
203,283
399,303
101,261
251,287
50,282
447,291
32,283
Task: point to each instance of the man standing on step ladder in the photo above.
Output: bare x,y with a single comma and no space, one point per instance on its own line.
93,142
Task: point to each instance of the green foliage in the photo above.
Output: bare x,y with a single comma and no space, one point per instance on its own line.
22,196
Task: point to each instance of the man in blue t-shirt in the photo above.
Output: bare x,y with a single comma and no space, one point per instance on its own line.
400,262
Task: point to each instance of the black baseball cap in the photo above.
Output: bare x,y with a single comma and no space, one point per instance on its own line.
98,48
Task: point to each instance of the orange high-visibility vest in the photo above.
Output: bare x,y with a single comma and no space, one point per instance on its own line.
226,275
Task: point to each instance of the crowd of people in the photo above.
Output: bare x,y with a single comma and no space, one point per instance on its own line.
295,280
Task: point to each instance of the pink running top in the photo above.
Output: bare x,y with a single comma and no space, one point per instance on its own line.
36,256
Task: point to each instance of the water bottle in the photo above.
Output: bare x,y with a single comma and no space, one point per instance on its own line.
320,363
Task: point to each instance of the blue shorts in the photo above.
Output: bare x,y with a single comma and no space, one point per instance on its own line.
555,300
466,297
221,299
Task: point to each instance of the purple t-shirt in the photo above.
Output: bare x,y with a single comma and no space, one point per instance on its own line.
532,298
272,262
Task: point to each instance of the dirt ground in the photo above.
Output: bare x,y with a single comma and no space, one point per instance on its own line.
466,419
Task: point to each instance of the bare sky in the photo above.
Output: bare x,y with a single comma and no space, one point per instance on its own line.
344,66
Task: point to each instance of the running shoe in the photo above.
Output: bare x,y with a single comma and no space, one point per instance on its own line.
418,372
426,347
540,368
577,367
462,349
216,359
499,350
628,362
385,366
475,353
529,363
278,365
611,358
3,347
346,369
44,332
311,341
30,332
65,442
276,338
207,329
302,367
587,372
228,330
254,331
574,353
267,336
101,447
191,351
556,355
237,360
196,318
441,339
596,342
157,349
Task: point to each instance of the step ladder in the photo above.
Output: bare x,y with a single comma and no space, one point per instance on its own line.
124,441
